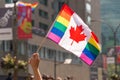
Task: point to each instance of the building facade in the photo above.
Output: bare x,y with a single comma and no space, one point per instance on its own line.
42,18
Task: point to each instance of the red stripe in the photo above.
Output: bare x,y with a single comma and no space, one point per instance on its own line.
95,37
67,9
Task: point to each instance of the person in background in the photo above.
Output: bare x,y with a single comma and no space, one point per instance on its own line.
59,78
9,76
30,77
34,62
50,78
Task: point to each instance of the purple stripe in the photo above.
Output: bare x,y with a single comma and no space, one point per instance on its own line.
86,59
54,37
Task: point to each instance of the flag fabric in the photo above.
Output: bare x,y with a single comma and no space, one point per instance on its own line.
71,33
32,5
24,22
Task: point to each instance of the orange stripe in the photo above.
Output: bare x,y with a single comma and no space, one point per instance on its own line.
65,15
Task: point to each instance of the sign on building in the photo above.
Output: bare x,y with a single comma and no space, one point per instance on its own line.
110,60
6,23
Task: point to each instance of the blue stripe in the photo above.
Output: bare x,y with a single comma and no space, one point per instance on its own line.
57,32
89,54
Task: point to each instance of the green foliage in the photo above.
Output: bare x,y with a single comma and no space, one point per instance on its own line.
9,62
114,76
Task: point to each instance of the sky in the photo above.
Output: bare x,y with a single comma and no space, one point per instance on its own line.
110,14
110,11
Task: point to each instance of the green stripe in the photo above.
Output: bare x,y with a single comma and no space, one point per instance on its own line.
60,26
93,49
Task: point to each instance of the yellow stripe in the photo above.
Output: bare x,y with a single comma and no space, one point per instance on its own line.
62,21
94,43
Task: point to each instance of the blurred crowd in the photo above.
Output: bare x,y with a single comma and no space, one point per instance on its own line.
48,77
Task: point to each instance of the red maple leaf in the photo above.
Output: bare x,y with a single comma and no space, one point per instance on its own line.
77,35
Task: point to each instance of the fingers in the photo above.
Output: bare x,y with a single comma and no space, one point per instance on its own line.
34,56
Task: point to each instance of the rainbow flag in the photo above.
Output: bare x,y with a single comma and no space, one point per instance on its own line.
70,32
32,5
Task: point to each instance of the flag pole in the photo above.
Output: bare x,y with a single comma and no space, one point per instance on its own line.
45,37
43,40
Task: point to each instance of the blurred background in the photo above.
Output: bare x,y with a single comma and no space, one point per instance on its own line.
102,16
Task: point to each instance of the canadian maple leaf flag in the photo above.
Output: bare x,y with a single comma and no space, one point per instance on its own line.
71,33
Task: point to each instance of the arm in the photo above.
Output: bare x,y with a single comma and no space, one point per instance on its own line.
34,61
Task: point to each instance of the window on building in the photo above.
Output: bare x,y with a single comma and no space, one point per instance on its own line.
53,17
88,20
43,28
8,1
40,30
1,46
51,53
76,60
32,48
93,69
89,0
88,8
11,45
29,50
6,46
60,5
53,6
42,52
21,47
44,2
43,14
33,22
65,56
58,56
